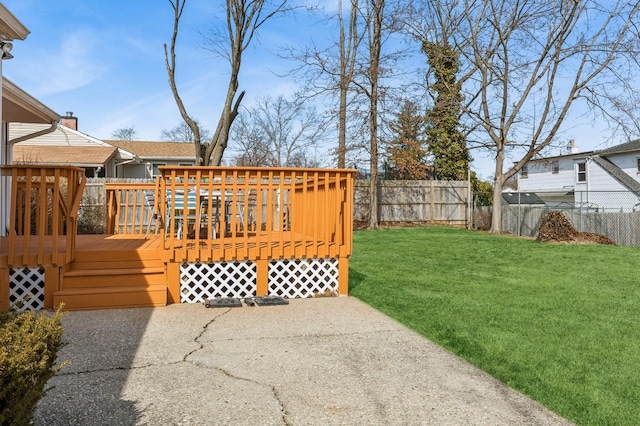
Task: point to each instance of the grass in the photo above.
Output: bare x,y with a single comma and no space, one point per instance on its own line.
560,323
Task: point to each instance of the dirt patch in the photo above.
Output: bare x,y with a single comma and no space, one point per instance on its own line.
555,227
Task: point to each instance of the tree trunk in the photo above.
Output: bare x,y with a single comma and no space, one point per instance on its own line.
374,69
498,181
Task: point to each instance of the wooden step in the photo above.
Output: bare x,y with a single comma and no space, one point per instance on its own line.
116,255
111,297
112,277
96,264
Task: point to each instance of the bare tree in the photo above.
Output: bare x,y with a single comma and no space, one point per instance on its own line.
527,63
277,133
124,134
243,19
375,46
328,71
348,49
183,133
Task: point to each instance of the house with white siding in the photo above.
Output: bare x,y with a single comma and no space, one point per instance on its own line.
34,143
607,180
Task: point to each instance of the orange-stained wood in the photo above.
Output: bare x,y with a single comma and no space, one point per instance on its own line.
217,213
190,214
44,203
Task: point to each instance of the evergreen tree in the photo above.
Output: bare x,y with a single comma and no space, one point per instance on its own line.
446,143
407,152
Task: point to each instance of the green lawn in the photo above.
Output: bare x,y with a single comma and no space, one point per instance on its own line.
560,323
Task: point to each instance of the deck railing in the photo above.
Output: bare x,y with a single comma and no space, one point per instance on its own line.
131,208
231,213
44,203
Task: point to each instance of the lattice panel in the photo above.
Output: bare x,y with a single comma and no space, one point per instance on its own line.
200,281
26,289
292,278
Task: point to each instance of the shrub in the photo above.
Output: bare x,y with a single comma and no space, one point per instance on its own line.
29,345
92,217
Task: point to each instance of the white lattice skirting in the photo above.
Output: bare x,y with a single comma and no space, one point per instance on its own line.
200,281
289,278
26,288
293,278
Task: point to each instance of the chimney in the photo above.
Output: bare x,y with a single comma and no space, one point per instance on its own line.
70,121
572,148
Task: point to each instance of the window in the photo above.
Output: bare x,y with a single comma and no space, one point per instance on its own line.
638,161
185,164
154,169
555,167
524,172
582,172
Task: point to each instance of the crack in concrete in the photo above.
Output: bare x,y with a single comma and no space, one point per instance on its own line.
274,391
283,409
104,370
204,330
196,339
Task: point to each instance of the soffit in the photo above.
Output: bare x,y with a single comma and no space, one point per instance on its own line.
19,106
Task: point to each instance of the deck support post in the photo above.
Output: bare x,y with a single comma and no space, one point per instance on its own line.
51,285
343,276
173,282
4,289
262,277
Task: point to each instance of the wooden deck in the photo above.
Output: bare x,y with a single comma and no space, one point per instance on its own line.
284,232
286,244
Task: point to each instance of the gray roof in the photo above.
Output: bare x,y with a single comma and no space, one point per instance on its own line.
618,173
619,149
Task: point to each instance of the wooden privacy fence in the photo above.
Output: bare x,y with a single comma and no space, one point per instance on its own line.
431,201
44,204
442,202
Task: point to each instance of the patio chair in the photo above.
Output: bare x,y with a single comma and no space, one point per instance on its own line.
176,203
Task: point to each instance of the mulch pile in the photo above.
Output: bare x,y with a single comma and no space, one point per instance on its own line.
555,227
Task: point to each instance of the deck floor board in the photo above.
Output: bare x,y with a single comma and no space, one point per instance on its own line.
86,244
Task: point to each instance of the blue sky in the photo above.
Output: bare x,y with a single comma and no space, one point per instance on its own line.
104,61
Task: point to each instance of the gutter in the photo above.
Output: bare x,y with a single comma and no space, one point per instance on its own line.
39,133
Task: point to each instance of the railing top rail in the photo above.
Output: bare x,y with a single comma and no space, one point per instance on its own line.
256,169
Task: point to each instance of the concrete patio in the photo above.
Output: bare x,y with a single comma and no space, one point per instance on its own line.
323,361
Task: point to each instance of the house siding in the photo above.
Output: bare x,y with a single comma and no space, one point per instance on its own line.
601,192
541,178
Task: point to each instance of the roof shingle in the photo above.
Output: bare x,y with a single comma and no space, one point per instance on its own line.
76,155
149,150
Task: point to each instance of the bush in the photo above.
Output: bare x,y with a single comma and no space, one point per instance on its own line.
29,345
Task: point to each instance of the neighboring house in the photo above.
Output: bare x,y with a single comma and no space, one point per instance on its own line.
604,180
16,106
153,155
65,145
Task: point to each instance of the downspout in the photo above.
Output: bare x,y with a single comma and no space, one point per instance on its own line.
588,166
135,159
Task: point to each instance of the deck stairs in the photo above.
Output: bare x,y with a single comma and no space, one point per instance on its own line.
113,279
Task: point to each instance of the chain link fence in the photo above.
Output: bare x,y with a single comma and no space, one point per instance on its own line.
615,214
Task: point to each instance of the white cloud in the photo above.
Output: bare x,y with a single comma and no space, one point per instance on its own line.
69,63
